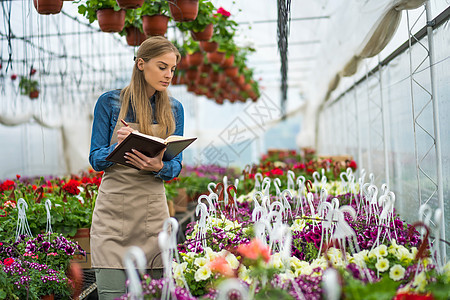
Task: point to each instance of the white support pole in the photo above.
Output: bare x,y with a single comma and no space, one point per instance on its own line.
383,122
358,124
437,138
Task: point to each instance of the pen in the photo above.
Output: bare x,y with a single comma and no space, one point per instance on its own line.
124,123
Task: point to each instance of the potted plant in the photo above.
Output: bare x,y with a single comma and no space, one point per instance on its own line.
202,27
47,7
133,29
224,32
111,18
29,87
154,15
183,10
194,56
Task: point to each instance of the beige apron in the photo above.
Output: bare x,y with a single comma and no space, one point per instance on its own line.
130,210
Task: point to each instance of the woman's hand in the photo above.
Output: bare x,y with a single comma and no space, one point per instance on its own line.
143,162
122,133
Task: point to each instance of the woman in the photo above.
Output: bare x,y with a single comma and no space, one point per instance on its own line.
131,205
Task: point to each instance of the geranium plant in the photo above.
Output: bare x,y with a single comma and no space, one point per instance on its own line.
205,17
28,85
154,7
90,7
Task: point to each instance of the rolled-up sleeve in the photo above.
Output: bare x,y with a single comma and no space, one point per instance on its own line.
101,134
172,168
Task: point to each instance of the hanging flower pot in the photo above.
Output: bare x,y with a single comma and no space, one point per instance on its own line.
204,35
183,64
215,76
232,72
209,46
134,36
110,20
205,68
130,4
215,57
183,10
195,59
48,297
228,62
47,7
155,25
191,74
191,87
202,80
34,94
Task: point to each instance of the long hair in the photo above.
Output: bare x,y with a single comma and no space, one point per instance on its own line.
136,94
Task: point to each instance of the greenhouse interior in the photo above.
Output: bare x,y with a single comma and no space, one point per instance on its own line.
314,162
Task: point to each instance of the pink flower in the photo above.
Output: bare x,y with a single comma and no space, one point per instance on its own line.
220,265
254,250
223,12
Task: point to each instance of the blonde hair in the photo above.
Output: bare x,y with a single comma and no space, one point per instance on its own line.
136,94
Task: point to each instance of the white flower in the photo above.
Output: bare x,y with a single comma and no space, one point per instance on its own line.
298,225
420,281
200,261
381,251
178,269
243,274
403,254
275,261
382,265
397,272
202,273
232,261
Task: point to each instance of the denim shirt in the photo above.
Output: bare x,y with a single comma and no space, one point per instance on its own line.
106,113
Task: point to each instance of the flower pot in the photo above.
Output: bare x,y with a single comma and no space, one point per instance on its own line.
228,62
155,25
191,87
202,80
183,10
191,74
34,94
110,20
48,297
47,7
232,72
215,57
204,35
215,76
130,4
134,36
205,68
195,59
208,46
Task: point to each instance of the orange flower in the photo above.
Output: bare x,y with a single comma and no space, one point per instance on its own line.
220,265
255,250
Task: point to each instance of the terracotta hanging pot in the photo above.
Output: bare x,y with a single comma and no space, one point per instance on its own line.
110,20
215,57
155,25
215,76
183,10
209,46
130,4
205,68
47,7
204,35
228,62
191,74
183,64
191,87
34,94
134,36
232,72
195,59
202,80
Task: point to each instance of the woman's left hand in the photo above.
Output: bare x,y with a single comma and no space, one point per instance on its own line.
146,163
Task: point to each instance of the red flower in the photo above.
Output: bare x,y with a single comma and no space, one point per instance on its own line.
32,71
310,170
8,261
7,185
72,187
353,165
86,180
277,171
223,12
96,181
17,176
413,296
13,77
299,166
266,174
251,176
